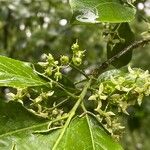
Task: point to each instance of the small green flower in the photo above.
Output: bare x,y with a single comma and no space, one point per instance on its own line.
58,76
49,71
38,99
93,97
75,47
50,58
64,60
77,61
79,54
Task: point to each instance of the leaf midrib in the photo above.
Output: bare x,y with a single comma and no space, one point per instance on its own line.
91,134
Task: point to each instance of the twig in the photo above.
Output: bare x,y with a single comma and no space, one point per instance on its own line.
49,124
56,83
57,105
108,62
47,131
80,71
81,81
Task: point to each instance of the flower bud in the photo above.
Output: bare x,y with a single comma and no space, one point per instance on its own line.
77,61
57,76
48,71
50,58
38,99
80,53
75,47
64,60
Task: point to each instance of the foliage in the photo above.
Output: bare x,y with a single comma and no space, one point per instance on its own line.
27,126
62,98
102,11
17,74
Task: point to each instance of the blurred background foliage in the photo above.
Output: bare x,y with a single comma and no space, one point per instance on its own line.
29,28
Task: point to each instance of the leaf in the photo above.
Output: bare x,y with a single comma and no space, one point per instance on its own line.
107,74
86,133
96,11
125,33
14,73
17,126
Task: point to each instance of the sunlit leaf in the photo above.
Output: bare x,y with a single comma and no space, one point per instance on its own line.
106,75
14,73
95,11
86,133
17,126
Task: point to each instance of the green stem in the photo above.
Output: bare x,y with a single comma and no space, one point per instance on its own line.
66,91
59,104
72,113
80,71
81,81
83,107
51,122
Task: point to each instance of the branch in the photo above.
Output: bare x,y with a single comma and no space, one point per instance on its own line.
80,71
72,113
108,62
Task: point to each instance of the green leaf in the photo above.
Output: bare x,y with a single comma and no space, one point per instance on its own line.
95,11
17,126
87,133
14,73
107,74
127,38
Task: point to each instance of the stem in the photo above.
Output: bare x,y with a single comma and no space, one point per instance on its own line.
59,104
108,62
83,107
80,71
57,83
51,122
62,87
72,113
47,131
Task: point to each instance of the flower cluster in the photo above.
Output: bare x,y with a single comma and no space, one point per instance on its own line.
51,66
77,54
37,101
36,104
116,91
